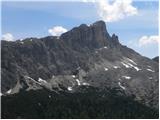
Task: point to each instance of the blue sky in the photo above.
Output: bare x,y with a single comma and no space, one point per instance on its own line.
33,19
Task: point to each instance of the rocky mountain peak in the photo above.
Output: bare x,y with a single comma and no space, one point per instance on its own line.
115,40
101,25
53,62
92,36
83,26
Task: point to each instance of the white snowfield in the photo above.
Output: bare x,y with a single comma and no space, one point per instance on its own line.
150,70
127,66
136,68
115,67
73,76
106,69
131,61
149,66
78,82
121,86
41,80
69,88
105,47
9,91
32,79
85,83
126,77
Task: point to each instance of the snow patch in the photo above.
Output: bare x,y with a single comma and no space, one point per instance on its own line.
127,66
130,64
115,67
121,86
73,76
78,81
33,80
49,96
126,77
137,68
134,67
150,77
9,91
85,83
150,70
41,80
1,94
106,69
29,78
69,88
131,61
149,66
105,47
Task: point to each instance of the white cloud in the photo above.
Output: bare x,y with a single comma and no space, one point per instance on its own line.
114,11
8,37
147,40
57,30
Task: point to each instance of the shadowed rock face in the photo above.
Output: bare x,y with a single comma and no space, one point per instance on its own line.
83,56
93,36
156,59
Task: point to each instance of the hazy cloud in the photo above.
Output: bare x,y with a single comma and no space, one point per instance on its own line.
114,11
57,30
147,40
8,37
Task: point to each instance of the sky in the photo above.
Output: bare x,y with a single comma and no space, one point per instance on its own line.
134,21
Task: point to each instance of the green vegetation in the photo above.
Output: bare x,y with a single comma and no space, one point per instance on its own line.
90,104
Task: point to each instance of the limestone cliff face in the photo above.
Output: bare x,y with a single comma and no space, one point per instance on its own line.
92,36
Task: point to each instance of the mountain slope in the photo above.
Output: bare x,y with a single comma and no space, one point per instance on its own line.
156,59
91,104
83,56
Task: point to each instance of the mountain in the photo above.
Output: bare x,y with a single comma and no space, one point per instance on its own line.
84,57
156,59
